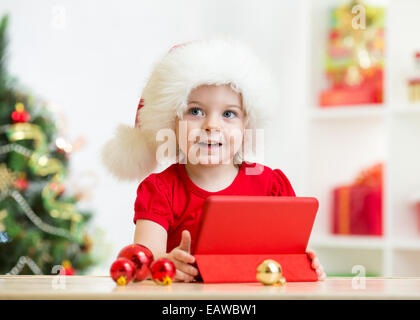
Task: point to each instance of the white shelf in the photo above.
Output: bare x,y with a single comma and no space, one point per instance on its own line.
406,245
348,112
344,241
407,110
362,112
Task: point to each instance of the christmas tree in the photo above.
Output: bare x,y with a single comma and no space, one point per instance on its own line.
41,229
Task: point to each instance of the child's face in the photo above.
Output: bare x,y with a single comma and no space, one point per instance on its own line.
215,123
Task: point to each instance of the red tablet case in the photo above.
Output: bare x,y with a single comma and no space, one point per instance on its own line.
237,233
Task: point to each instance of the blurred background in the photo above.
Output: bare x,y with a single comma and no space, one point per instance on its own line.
347,130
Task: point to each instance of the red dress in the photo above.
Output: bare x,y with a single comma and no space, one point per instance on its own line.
171,199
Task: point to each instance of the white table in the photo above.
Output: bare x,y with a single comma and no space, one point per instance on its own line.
103,287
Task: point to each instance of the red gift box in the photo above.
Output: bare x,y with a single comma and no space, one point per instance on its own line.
357,208
347,96
370,91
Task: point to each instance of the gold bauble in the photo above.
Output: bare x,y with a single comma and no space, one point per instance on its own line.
269,272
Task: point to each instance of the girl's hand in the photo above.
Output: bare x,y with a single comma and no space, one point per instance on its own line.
316,265
182,258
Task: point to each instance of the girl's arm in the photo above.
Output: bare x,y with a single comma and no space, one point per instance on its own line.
152,235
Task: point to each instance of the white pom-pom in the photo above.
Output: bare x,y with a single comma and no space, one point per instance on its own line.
128,155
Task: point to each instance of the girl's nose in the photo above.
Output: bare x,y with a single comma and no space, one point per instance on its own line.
211,123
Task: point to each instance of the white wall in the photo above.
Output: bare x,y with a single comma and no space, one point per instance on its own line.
93,68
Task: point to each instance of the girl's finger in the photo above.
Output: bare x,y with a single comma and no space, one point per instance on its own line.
188,269
185,268
179,275
311,253
322,277
320,270
319,266
183,256
315,263
185,244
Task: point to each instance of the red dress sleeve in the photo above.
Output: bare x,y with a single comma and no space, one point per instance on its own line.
152,202
280,185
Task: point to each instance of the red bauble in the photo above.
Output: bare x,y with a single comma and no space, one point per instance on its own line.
57,187
67,269
122,271
20,116
67,272
163,271
141,256
21,184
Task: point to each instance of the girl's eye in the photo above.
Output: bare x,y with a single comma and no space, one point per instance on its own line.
229,114
195,111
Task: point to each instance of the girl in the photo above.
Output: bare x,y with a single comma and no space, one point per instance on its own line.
209,94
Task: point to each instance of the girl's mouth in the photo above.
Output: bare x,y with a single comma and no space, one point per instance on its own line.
210,145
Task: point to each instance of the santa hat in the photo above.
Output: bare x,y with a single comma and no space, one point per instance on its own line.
131,154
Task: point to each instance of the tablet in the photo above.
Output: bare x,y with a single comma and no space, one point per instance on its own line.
255,225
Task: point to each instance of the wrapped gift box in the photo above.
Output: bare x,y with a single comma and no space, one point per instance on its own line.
349,96
357,208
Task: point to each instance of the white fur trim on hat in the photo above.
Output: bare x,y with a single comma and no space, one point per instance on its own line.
122,154
218,61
